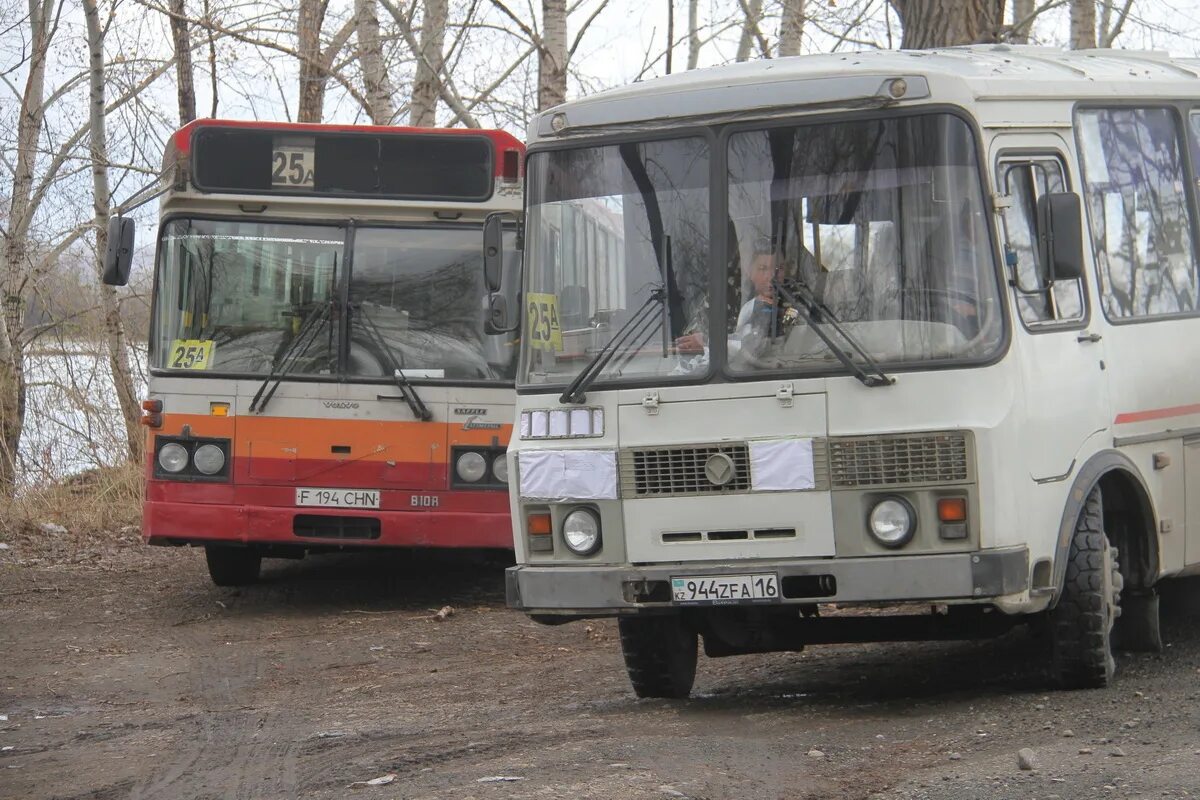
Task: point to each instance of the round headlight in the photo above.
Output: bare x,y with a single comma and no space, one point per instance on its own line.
500,468
471,467
581,532
209,459
892,522
173,457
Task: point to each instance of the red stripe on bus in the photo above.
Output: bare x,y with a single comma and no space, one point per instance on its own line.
1156,413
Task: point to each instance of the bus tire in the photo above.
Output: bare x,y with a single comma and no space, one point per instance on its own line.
1081,624
660,655
232,566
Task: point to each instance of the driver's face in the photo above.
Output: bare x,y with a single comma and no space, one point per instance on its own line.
763,271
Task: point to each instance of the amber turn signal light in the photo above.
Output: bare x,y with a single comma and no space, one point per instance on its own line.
952,509
153,406
152,420
539,525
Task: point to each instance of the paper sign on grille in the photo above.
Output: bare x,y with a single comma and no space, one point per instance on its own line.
782,465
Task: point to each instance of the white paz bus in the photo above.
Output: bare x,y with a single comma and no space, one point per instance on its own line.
843,348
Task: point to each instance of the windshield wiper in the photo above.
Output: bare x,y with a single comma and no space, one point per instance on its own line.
419,409
291,355
574,393
817,314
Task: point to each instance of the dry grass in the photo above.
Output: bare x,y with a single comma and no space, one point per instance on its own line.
81,520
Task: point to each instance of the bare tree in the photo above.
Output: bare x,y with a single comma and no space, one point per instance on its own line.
693,34
944,23
114,329
1023,16
183,62
1112,21
791,27
750,28
1083,24
430,63
552,55
376,82
309,19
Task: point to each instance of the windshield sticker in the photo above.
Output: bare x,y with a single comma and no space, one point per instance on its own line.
544,330
191,353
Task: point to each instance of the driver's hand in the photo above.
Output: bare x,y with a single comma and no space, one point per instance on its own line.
690,343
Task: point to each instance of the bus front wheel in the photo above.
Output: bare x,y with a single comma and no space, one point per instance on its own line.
1081,624
660,655
232,566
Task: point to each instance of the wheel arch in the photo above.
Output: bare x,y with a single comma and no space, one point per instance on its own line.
1130,520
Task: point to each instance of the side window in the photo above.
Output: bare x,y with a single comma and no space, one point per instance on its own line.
1136,193
1038,301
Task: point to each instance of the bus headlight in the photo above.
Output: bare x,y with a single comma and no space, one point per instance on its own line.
173,457
892,522
581,532
471,466
500,468
208,459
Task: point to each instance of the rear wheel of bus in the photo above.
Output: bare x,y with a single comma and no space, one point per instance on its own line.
1081,624
232,566
660,655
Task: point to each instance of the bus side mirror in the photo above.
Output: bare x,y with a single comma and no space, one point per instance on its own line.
1060,235
493,251
118,256
498,320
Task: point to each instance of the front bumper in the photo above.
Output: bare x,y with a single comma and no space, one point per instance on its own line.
173,523
611,590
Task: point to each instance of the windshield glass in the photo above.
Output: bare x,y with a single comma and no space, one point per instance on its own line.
418,303
880,221
609,227
232,296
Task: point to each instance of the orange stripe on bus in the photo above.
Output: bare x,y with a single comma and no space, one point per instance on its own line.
1156,413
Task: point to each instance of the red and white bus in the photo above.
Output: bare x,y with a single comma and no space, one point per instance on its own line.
320,374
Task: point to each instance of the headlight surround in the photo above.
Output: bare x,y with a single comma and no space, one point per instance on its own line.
500,468
471,466
581,532
892,522
173,458
209,459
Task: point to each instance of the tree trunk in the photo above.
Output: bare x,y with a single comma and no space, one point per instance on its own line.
370,57
753,11
183,62
693,34
212,60
1023,11
114,329
14,262
670,34
791,27
552,55
426,82
945,23
309,19
1083,24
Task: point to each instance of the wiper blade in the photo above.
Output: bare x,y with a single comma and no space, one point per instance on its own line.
817,315
418,407
574,393
291,355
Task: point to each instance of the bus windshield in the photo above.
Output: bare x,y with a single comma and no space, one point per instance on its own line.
612,226
233,296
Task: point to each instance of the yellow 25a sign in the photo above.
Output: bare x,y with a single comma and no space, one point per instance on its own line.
542,312
190,354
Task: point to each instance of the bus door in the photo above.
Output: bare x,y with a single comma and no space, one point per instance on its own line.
1059,347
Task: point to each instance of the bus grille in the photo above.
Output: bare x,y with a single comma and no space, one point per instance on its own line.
673,471
856,462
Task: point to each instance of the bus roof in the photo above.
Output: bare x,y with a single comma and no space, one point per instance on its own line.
978,72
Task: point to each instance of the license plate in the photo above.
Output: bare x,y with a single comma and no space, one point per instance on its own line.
760,587
337,498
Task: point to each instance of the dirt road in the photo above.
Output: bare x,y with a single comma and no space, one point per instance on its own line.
127,675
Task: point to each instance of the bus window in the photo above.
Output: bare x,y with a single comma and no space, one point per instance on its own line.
1141,232
1024,182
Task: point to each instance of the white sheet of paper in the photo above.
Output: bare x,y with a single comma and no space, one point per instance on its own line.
568,474
782,465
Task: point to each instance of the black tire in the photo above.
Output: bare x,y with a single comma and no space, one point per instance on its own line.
660,655
232,566
1081,624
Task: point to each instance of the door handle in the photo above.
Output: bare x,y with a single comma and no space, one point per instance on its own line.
1088,337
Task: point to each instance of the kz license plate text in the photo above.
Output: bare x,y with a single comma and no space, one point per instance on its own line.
762,587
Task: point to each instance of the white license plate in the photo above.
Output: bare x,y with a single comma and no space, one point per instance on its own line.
337,498
718,589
